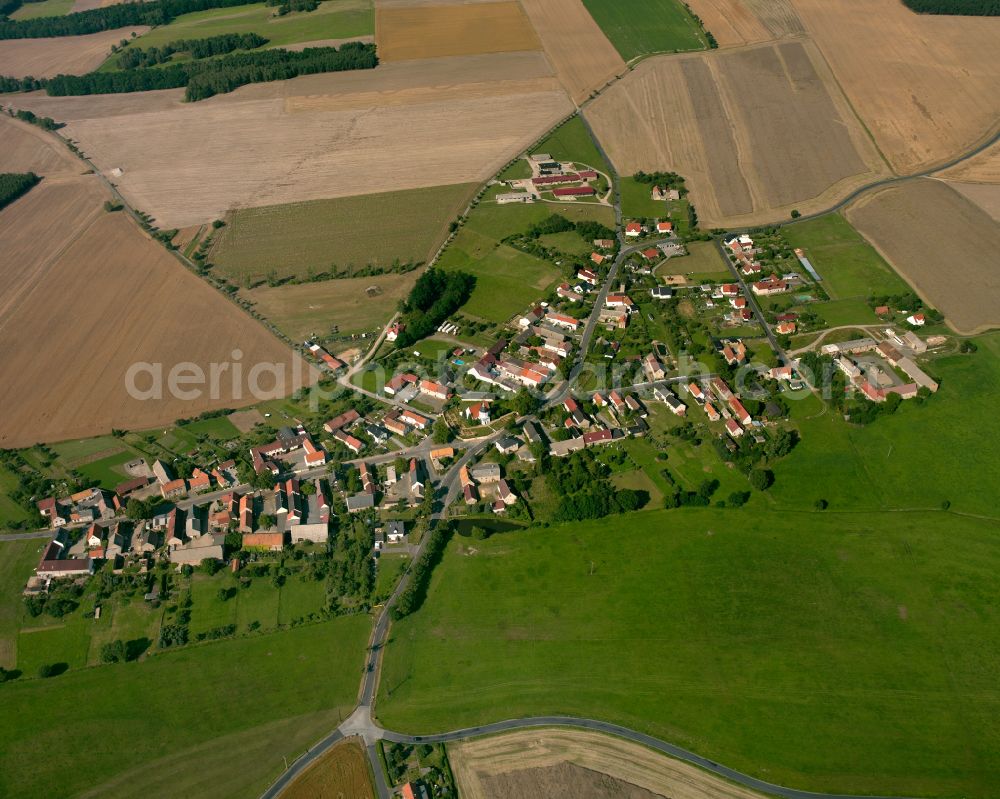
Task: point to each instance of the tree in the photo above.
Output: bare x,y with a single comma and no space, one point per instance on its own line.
524,403
114,652
761,479
442,433
139,509
47,670
265,521
821,504
796,213
738,499
480,533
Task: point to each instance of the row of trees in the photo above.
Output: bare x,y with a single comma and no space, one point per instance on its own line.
207,77
413,596
968,8
15,184
134,57
122,15
434,297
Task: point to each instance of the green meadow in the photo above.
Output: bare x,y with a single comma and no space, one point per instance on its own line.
830,652
210,720
573,142
642,27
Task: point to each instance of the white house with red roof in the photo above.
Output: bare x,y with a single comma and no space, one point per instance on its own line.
633,230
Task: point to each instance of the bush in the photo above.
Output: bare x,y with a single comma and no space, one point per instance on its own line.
761,479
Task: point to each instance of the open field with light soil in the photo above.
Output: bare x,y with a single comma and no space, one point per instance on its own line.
581,54
311,309
27,148
449,121
299,238
529,763
923,224
985,195
925,85
60,55
738,22
430,31
757,132
198,747
46,8
340,773
982,168
640,27
88,288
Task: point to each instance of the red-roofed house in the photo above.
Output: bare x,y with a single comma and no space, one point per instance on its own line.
665,227
633,230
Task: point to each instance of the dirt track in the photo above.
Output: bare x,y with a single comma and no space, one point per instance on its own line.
67,55
481,765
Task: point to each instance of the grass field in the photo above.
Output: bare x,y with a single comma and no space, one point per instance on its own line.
17,560
10,511
852,311
849,265
573,142
169,706
641,27
507,279
337,19
703,258
636,202
824,651
312,309
46,8
301,238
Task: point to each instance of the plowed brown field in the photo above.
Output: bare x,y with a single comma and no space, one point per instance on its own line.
66,55
431,31
944,246
26,148
403,125
927,86
757,131
85,295
581,54
541,762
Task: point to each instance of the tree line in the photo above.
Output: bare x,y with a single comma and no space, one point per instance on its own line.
965,8
434,297
122,15
14,185
206,78
413,596
133,57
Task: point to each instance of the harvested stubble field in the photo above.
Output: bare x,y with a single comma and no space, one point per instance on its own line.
756,131
544,762
293,239
341,773
985,195
925,85
431,31
979,180
581,54
941,243
446,121
67,55
311,309
739,22
27,148
88,288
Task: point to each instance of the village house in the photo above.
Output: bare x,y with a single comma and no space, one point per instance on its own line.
785,328
597,258
604,244
264,542
478,412
567,322
414,419
394,331
712,414
633,230
566,293
769,286
587,276
345,419
175,488
433,389
665,228
733,428
661,293
331,363
653,368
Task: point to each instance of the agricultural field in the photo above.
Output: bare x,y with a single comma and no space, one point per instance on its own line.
920,225
28,149
45,8
639,28
94,277
283,709
63,55
985,195
583,58
301,239
508,279
446,121
703,258
546,762
339,19
757,132
888,53
849,265
353,305
484,647
343,771
738,22
435,31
